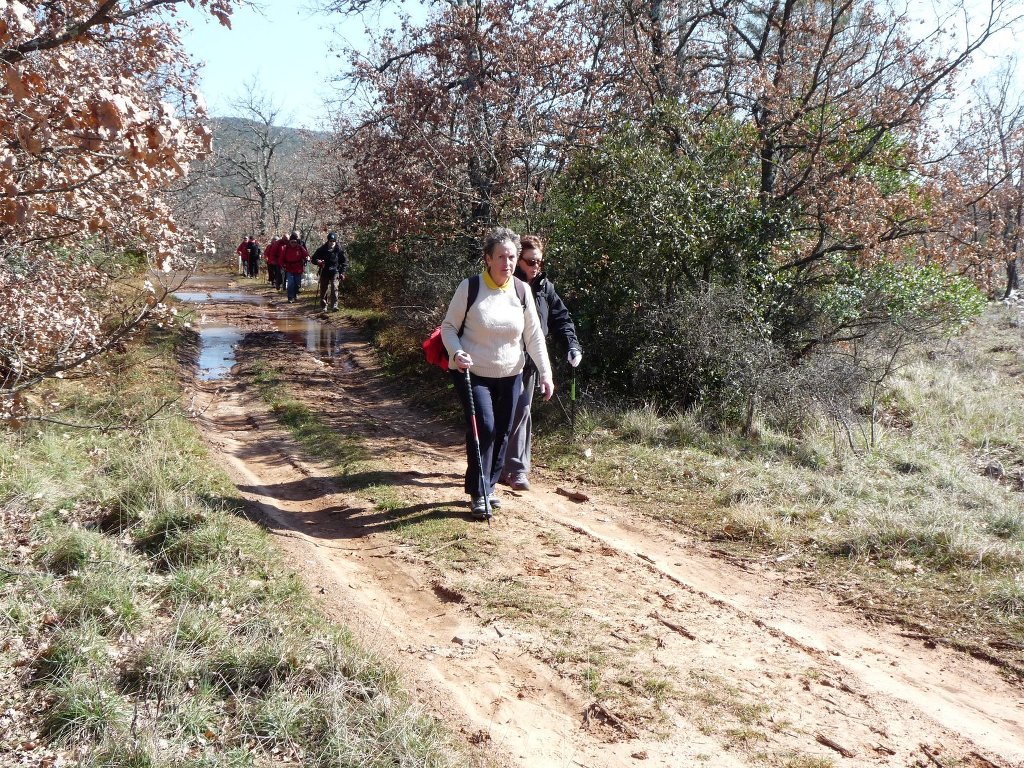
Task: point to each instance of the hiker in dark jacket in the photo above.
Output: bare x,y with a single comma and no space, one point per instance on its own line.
253,257
333,263
554,318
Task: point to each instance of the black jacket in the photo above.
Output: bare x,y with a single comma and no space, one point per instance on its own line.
331,256
554,315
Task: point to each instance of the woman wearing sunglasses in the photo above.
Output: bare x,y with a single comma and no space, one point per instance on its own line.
554,317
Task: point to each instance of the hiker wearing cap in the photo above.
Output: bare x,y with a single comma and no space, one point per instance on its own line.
489,320
333,263
554,317
293,258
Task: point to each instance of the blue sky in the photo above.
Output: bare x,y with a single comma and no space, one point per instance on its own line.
290,50
293,54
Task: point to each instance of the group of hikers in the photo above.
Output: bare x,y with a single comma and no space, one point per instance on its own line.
495,333
287,258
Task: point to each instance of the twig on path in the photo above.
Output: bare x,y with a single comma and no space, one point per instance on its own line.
675,627
574,495
315,543
610,716
21,574
621,637
821,738
932,757
1002,645
447,544
642,556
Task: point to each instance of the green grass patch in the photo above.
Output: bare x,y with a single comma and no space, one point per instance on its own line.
346,452
161,625
85,710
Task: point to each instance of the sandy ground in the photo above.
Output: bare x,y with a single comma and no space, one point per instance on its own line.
751,666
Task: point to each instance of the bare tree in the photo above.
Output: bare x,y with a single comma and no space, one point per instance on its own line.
989,156
246,157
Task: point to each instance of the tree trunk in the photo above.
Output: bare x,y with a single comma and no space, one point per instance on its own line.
1012,279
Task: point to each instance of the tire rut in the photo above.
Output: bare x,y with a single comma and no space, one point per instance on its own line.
643,648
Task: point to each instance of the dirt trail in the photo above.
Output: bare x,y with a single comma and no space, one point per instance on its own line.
731,663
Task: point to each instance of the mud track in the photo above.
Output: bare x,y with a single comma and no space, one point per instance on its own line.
729,662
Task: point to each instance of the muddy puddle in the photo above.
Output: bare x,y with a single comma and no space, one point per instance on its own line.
219,340
316,337
217,350
238,297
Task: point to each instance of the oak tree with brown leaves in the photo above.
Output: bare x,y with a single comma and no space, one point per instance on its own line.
98,114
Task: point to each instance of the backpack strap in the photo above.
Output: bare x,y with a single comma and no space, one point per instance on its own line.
474,291
520,291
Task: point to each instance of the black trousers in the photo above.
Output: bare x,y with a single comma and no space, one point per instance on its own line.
494,401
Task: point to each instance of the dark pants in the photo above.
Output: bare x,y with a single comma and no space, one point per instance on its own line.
327,286
494,400
293,281
254,266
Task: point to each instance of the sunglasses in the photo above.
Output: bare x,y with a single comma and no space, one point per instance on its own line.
532,262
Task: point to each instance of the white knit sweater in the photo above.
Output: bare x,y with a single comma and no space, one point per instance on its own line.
496,328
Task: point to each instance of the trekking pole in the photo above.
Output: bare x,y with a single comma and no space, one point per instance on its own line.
476,444
572,404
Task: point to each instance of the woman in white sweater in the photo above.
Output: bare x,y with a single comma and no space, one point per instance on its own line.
485,331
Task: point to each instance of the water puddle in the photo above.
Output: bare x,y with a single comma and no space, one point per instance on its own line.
217,350
240,297
217,343
316,337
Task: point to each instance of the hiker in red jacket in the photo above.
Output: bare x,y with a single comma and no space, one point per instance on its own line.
273,257
243,254
293,261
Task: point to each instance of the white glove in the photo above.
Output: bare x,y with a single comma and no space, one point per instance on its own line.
574,357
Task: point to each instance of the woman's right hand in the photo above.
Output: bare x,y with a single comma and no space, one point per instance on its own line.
462,360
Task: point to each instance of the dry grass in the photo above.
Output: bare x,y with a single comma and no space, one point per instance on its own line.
936,507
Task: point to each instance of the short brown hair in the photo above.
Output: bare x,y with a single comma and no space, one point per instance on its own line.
500,235
532,242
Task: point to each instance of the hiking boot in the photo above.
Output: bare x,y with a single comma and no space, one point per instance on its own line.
323,306
520,482
334,307
495,503
505,479
478,509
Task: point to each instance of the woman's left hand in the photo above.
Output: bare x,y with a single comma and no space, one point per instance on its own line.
547,388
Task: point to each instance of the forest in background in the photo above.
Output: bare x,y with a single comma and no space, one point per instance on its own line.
752,208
